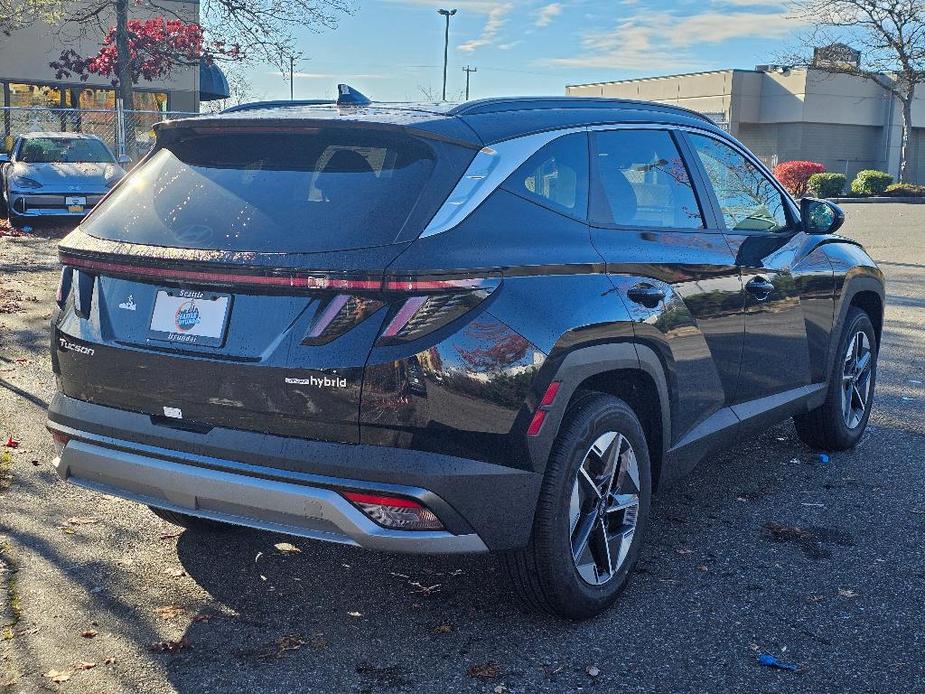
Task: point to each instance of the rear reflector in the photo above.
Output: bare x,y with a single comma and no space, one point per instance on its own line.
394,512
545,403
60,440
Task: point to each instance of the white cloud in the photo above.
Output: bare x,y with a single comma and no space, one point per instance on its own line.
663,40
547,13
497,18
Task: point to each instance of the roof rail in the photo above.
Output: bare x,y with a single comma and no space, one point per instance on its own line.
278,103
501,104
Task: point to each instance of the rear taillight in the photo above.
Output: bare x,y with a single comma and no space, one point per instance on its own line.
394,512
338,315
434,303
64,286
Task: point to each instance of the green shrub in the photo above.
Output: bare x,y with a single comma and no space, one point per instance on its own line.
826,185
871,182
905,190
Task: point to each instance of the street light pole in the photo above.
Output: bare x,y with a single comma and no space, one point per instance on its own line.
446,44
469,70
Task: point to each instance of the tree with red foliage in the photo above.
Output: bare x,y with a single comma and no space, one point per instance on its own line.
794,175
155,45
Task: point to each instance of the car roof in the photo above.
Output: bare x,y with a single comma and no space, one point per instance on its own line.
60,135
479,122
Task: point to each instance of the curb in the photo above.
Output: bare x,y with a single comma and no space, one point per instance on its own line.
911,200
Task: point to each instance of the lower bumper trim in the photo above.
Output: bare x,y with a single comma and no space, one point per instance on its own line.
254,502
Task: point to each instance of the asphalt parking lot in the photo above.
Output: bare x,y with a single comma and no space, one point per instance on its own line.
98,595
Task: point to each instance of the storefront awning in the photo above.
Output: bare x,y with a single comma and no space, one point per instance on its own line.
212,82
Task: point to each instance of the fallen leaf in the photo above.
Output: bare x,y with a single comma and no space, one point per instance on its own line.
847,593
287,547
109,661
444,629
175,573
355,615
88,634
485,671
170,646
58,676
170,536
84,665
11,443
593,670
169,611
289,642
424,590
501,689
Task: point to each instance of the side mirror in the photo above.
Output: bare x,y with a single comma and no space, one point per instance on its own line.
124,159
820,216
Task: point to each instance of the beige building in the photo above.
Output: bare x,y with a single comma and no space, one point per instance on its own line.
33,98
782,113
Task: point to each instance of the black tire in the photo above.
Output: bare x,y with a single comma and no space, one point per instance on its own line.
17,221
544,574
186,521
826,428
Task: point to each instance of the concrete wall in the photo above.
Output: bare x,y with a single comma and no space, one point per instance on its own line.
842,121
26,54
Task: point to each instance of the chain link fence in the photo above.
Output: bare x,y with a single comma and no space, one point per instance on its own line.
114,126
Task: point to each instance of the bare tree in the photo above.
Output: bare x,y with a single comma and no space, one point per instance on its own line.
240,91
889,36
18,14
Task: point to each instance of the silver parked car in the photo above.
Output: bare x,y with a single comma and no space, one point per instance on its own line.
50,174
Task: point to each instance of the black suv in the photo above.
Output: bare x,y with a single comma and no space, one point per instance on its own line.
495,326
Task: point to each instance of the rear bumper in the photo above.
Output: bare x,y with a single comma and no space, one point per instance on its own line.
290,485
295,509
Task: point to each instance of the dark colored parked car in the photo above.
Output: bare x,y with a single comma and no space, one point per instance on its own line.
496,326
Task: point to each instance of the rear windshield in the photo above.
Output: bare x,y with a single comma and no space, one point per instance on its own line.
305,191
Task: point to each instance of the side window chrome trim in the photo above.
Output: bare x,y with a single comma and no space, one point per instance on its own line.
493,164
488,170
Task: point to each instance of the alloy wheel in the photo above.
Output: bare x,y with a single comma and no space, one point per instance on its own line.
604,508
856,379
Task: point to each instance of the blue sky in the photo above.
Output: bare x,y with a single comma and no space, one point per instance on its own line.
393,49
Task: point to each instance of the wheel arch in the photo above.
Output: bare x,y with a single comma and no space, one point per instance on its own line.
629,371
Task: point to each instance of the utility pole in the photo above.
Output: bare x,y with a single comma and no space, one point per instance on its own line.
446,44
469,70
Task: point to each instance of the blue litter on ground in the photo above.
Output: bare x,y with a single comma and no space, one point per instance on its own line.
769,660
824,458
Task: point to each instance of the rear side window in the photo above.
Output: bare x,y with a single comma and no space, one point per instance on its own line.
747,198
556,176
301,191
640,180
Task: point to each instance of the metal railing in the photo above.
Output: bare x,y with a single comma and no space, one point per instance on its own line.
114,126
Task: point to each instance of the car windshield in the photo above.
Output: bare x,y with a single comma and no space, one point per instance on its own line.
316,190
69,150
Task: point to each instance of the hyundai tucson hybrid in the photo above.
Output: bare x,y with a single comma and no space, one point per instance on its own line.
495,326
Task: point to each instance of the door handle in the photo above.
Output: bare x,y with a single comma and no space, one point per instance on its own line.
759,287
646,294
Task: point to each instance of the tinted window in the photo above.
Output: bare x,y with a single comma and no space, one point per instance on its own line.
641,181
72,150
748,200
316,190
556,176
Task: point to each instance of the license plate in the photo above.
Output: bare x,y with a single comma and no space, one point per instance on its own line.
75,201
188,317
